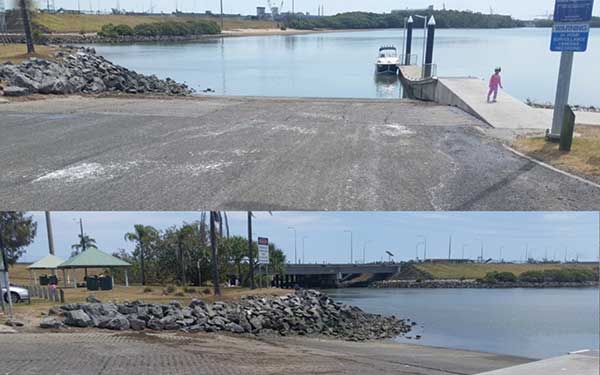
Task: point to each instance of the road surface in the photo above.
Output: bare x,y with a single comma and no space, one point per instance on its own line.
265,154
95,353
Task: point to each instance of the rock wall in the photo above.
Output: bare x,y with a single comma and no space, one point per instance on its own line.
307,312
81,71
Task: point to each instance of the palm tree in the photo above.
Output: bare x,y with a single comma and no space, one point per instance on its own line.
142,235
85,242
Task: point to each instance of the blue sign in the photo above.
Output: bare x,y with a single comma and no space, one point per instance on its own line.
570,37
573,10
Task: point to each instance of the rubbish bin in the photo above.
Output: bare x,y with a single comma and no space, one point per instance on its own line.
106,283
92,283
52,280
44,281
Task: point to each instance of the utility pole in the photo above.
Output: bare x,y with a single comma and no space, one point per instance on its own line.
81,231
214,253
250,253
27,26
450,249
50,235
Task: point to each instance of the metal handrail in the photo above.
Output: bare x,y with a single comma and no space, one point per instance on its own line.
413,59
429,71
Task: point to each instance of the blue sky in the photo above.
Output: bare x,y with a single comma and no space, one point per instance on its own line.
517,8
327,240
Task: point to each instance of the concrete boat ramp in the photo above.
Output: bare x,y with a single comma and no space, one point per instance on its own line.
578,363
470,95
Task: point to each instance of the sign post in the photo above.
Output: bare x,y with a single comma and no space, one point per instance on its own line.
263,252
570,34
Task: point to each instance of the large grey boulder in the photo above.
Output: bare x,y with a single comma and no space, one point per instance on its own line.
137,324
119,323
78,318
16,91
51,323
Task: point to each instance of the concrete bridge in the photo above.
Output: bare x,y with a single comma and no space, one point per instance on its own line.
330,275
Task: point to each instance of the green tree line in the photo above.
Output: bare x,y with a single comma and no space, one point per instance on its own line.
567,275
182,255
158,29
444,19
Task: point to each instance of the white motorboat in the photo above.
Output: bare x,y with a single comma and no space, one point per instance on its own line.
387,60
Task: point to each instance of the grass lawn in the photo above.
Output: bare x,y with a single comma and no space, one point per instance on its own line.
16,53
476,271
583,160
91,23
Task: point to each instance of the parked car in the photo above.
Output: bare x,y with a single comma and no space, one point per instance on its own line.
18,294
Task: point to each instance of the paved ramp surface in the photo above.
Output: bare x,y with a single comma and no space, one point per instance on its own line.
507,113
575,364
98,353
265,154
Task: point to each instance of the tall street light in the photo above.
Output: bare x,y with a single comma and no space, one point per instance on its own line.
424,243
303,238
351,246
365,251
295,245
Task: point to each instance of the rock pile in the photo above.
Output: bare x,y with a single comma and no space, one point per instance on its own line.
307,312
81,71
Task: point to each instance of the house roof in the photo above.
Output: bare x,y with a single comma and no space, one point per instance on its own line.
94,258
51,262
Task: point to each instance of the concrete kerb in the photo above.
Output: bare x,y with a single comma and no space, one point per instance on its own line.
548,166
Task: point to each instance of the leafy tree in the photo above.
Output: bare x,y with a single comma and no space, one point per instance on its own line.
17,231
143,236
85,242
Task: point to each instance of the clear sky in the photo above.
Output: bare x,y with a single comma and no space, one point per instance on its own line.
327,240
517,8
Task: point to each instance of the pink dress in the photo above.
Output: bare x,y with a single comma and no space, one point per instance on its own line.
495,83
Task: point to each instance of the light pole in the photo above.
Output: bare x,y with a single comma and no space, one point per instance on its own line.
424,18
295,245
424,243
365,251
481,256
501,259
464,246
351,246
303,238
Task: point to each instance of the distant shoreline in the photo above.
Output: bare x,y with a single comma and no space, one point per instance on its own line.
93,38
473,284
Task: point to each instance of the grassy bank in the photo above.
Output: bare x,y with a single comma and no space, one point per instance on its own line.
92,23
16,53
583,160
479,271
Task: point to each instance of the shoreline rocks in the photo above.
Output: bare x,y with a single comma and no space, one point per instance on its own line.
307,312
474,284
81,71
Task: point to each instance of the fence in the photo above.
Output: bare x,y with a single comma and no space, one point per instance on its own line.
47,292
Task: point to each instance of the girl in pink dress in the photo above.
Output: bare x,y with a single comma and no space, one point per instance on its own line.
495,83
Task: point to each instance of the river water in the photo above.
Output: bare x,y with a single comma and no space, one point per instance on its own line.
533,323
341,64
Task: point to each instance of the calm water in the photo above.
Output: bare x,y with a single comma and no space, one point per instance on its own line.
341,64
522,322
